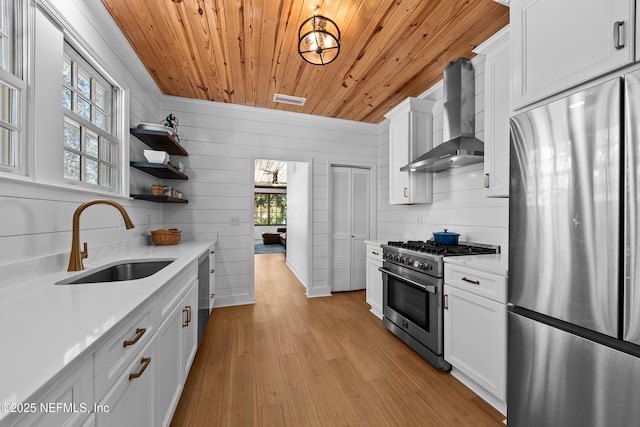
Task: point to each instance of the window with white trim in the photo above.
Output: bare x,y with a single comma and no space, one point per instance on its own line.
91,148
12,86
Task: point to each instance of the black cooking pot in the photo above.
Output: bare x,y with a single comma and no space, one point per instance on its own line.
445,237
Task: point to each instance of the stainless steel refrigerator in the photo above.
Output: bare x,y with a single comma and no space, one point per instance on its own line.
574,276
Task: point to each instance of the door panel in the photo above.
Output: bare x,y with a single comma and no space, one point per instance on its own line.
341,223
631,317
564,208
359,227
559,379
350,227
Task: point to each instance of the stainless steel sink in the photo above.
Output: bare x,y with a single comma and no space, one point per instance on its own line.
116,272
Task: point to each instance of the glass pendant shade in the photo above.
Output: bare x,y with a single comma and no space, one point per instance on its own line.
319,40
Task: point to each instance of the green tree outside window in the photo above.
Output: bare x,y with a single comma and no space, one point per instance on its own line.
270,209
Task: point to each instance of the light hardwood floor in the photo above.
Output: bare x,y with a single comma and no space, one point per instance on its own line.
293,361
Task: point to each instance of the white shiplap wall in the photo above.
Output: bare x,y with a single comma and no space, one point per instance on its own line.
459,203
223,140
35,231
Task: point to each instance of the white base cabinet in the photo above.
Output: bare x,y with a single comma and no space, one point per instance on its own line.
475,331
135,377
177,345
374,279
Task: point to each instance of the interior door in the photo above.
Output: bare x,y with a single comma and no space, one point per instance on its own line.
350,227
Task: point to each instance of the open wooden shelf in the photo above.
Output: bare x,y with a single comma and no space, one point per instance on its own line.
160,170
159,199
159,140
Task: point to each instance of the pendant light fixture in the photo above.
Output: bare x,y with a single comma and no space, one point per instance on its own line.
319,40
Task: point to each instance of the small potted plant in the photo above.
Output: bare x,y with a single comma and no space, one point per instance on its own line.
172,122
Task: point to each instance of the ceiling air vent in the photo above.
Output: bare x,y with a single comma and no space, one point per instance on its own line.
286,99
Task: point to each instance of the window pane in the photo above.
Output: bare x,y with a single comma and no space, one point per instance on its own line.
107,151
91,171
67,98
91,143
101,120
66,71
8,104
101,97
107,176
71,135
84,108
84,83
7,147
71,165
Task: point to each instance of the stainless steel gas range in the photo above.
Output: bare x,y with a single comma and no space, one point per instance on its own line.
413,280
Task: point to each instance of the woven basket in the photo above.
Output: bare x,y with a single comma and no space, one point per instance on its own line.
157,190
165,237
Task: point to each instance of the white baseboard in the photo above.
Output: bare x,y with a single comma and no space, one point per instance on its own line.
232,300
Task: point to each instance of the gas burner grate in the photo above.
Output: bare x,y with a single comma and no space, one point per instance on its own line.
431,247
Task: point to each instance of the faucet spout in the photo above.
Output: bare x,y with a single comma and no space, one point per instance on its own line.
76,256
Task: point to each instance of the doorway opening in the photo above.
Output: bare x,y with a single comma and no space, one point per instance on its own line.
282,214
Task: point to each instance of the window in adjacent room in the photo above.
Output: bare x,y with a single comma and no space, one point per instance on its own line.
270,209
91,148
12,86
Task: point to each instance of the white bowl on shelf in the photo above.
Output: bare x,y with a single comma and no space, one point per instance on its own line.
154,156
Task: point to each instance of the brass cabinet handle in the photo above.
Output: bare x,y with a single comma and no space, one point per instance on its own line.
213,252
213,295
375,253
185,321
486,180
445,302
213,271
475,282
405,192
189,314
139,333
145,362
618,39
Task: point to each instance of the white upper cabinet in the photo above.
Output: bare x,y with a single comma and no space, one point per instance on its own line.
497,111
410,135
560,44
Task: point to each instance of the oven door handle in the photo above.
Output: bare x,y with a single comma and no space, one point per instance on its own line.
429,288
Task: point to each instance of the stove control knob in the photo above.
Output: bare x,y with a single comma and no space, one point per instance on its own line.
417,264
403,260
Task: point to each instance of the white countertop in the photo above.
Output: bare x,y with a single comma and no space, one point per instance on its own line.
375,242
45,327
491,263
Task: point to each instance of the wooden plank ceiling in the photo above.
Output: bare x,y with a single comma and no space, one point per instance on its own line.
245,51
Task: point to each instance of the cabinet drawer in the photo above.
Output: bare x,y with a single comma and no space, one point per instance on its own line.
131,400
374,252
117,353
170,294
488,285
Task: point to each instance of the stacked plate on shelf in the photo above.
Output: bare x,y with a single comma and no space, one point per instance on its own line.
154,126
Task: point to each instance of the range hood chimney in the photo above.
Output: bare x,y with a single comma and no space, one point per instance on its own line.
461,147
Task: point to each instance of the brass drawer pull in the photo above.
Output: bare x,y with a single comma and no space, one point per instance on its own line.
140,332
475,282
145,362
185,322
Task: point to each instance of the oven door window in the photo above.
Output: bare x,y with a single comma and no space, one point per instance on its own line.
409,301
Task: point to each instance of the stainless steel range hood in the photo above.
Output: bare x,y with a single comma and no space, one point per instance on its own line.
461,147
